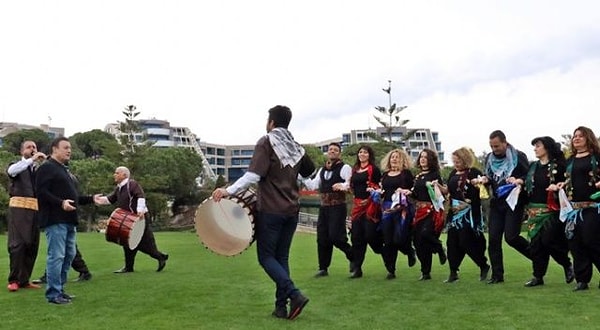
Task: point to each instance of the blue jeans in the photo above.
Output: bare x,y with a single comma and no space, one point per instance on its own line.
274,235
61,251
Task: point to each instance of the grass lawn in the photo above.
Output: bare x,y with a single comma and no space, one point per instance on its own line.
201,290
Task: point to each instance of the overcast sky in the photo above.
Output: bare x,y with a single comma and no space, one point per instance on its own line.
463,68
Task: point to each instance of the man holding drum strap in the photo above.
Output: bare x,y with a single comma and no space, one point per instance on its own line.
129,196
276,163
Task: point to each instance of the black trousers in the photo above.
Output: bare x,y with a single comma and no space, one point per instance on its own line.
78,263
23,244
391,247
363,233
147,245
504,221
585,245
331,232
465,241
427,242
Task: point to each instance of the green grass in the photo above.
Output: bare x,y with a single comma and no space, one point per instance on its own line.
201,290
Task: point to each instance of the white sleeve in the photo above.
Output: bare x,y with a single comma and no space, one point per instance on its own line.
346,174
141,205
244,182
18,167
313,184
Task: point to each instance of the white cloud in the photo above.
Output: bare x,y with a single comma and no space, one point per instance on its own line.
528,68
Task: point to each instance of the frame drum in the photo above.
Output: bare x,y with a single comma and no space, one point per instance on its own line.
227,227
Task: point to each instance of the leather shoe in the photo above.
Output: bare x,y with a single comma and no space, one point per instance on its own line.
495,280
12,287
357,273
67,296
425,277
162,262
59,301
41,280
351,267
280,312
569,274
322,273
453,277
84,277
581,286
296,305
123,270
534,282
483,274
390,276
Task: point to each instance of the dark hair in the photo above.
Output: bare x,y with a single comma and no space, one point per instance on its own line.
371,155
498,134
552,148
56,141
280,115
433,164
335,144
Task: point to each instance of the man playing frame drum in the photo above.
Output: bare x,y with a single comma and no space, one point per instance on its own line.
276,163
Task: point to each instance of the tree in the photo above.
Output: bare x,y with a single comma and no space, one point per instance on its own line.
393,117
129,127
315,154
96,144
94,176
12,141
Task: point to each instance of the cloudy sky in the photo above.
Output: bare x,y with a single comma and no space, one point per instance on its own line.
463,68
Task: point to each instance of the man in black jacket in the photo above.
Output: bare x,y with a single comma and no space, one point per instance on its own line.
58,201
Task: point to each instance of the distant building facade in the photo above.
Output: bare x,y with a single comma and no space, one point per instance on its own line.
8,127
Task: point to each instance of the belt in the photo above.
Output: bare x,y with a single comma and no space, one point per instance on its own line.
30,203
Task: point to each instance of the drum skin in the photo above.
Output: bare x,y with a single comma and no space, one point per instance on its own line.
226,227
125,228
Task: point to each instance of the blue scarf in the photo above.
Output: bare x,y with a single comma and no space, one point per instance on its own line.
499,169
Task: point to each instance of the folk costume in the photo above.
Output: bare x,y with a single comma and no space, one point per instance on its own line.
546,232
583,222
465,223
396,219
428,222
366,213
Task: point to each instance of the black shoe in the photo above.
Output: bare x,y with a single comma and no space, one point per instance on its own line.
123,270
351,267
425,277
390,276
41,280
59,301
280,312
483,274
162,262
495,280
412,258
453,277
357,273
84,277
67,296
534,282
321,273
296,305
569,274
442,256
581,286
